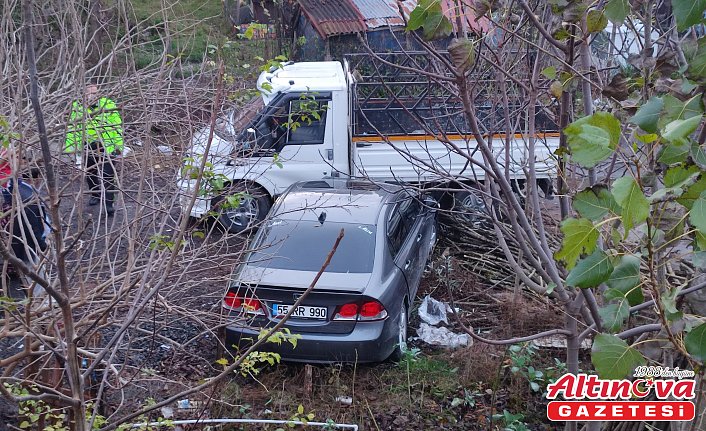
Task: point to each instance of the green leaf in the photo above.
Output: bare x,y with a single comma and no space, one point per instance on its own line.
697,64
580,236
590,271
437,26
695,342
561,34
677,180
674,152
549,72
669,302
669,193
646,139
675,109
700,241
646,117
679,130
676,176
614,315
634,204
697,215
250,32
625,280
698,153
595,202
611,294
596,21
692,193
463,53
421,12
688,12
698,259
593,138
550,288
589,144
617,10
613,358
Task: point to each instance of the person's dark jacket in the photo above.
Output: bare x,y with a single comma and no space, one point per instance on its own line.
31,216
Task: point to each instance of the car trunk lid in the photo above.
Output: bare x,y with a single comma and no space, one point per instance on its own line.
330,281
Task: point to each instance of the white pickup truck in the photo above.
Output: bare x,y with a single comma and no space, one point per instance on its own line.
326,119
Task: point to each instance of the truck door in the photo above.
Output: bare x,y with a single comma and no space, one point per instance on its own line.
295,141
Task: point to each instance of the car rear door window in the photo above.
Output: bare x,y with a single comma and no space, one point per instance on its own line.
401,221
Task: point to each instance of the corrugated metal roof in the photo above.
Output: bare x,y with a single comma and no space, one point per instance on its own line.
379,13
371,9
333,17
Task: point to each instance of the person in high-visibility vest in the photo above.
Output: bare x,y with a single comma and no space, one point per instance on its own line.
96,130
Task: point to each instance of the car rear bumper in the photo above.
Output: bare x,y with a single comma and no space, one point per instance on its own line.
368,342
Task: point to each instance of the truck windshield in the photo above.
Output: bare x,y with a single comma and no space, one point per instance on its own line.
237,119
304,244
245,116
254,123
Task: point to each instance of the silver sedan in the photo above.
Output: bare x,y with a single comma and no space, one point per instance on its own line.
358,311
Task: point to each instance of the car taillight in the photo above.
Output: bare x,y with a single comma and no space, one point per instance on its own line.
372,310
369,310
347,312
252,305
232,301
239,304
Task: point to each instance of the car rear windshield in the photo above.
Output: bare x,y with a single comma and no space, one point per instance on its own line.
303,245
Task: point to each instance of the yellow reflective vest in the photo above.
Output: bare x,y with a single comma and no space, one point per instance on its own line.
101,123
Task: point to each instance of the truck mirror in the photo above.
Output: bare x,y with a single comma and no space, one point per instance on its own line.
250,139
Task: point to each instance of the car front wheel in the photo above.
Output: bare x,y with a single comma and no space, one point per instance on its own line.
242,207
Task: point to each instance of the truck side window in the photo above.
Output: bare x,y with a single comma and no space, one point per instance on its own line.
271,130
307,121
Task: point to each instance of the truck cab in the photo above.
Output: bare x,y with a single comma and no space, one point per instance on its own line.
297,130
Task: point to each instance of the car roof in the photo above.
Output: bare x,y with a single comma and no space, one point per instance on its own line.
343,201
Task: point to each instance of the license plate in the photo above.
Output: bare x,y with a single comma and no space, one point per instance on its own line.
303,311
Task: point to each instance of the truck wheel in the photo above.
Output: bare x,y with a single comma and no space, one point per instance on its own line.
253,204
470,208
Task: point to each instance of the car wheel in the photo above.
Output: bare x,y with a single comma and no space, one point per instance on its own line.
470,208
401,345
252,207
